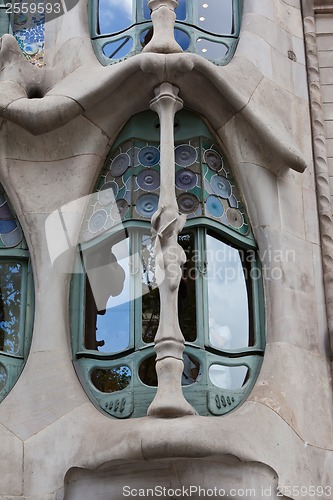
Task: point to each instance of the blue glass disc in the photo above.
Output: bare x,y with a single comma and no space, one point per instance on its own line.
147,204
185,179
12,239
149,156
214,206
148,180
120,164
221,186
7,226
185,155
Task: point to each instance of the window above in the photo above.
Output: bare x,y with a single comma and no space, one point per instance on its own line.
122,29
16,298
116,300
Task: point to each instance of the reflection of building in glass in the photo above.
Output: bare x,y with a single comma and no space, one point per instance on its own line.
163,154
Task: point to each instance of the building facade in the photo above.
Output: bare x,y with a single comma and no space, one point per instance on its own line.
166,171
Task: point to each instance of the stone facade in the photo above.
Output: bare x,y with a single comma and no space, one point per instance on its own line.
57,125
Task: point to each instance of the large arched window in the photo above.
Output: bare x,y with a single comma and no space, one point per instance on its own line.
115,301
122,29
16,298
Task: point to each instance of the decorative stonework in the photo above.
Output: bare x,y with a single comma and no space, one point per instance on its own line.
321,166
163,17
169,256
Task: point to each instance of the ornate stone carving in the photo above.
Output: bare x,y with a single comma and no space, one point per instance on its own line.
169,256
321,167
163,17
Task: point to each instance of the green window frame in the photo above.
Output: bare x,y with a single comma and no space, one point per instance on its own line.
120,381
16,298
5,18
197,30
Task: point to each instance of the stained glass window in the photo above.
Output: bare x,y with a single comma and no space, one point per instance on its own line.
16,298
122,29
219,306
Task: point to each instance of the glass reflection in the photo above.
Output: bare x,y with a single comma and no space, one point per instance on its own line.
191,372
150,293
114,16
181,10
187,310
228,377
3,377
215,16
119,48
227,296
210,49
182,39
10,302
111,380
108,298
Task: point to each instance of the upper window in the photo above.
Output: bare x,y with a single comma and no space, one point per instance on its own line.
115,299
209,28
26,22
16,298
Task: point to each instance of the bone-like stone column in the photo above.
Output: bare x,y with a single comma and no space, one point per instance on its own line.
163,17
169,256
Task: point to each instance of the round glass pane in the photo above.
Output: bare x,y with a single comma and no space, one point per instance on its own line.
185,155
228,377
3,377
148,180
120,164
187,203
185,179
149,156
111,380
146,205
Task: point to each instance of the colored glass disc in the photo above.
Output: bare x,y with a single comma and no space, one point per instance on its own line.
214,206
185,155
187,203
120,164
147,204
221,186
213,160
185,179
148,180
149,156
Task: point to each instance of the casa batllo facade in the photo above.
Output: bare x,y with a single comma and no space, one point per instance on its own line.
166,317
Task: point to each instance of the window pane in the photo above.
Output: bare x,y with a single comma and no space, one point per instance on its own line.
191,372
3,377
119,48
4,22
10,302
187,310
210,49
114,15
112,380
215,16
227,296
150,293
108,298
181,10
182,39
228,377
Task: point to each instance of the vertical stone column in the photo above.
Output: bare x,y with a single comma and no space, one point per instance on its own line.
169,256
163,17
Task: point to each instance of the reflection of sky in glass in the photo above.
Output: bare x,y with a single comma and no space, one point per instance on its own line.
210,49
114,326
182,38
114,15
228,377
119,48
215,16
227,297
